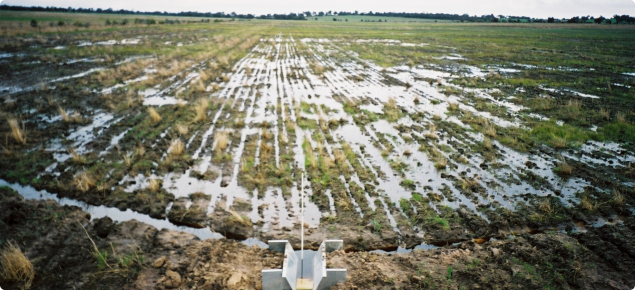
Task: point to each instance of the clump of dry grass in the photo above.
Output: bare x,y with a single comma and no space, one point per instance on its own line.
322,122
182,129
127,160
546,207
203,76
489,129
605,114
588,204
453,106
200,110
559,142
199,87
15,265
76,157
139,151
340,157
390,110
64,115
468,183
215,87
248,71
50,100
317,68
83,181
153,185
76,118
487,143
181,103
618,198
432,134
16,132
221,139
441,163
154,115
267,135
176,148
621,117
240,219
563,167
573,109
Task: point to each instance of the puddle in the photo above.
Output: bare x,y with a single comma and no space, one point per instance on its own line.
114,142
128,82
106,43
79,75
569,91
115,214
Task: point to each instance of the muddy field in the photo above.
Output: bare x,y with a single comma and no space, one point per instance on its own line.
496,161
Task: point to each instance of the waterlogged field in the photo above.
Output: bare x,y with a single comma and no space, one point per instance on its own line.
410,136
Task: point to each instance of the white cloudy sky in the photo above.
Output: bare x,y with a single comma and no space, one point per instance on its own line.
533,8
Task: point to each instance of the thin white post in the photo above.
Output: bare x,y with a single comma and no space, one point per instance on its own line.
302,218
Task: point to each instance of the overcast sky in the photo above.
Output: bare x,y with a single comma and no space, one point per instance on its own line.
532,8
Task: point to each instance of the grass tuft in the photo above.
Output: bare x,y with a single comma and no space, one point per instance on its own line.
182,129
200,110
15,265
76,157
153,185
83,181
17,133
221,139
245,221
176,148
154,115
563,167
441,163
317,68
618,198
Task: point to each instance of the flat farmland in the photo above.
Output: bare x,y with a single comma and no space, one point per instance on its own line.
427,147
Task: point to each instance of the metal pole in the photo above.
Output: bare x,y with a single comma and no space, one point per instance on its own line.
302,219
302,227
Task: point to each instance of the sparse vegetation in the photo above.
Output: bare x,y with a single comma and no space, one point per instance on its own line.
15,265
176,148
221,139
563,167
182,129
154,115
16,132
145,116
84,181
200,110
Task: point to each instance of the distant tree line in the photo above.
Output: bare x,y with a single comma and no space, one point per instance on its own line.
436,16
624,19
290,16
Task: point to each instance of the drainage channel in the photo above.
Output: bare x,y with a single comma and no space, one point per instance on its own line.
96,212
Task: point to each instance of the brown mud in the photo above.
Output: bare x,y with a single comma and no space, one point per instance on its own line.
139,256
